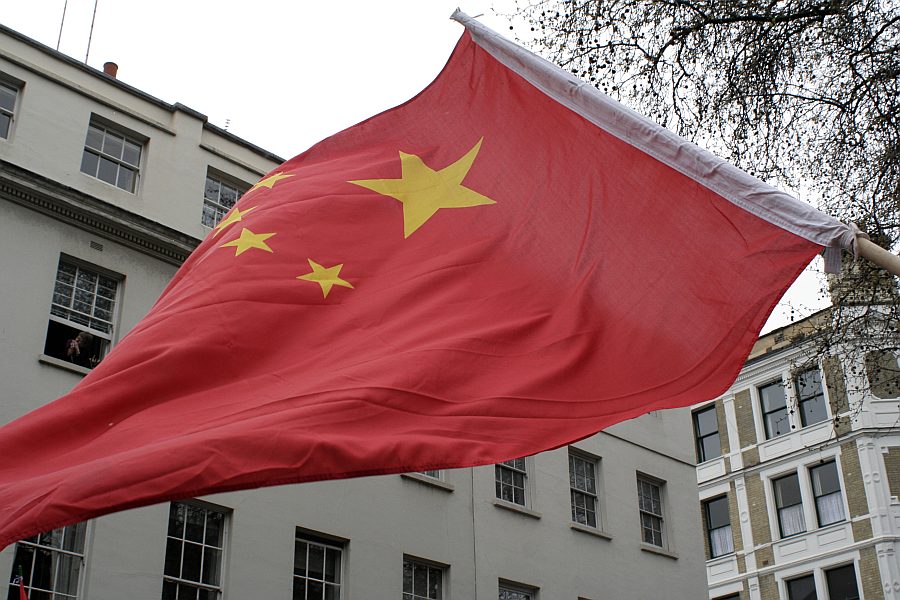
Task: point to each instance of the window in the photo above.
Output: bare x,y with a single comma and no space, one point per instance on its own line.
827,492
194,545
510,591
583,486
774,409
82,313
510,477
422,581
718,527
802,588
706,433
433,474
8,96
219,197
841,582
883,374
111,157
789,505
317,567
651,509
811,397
51,564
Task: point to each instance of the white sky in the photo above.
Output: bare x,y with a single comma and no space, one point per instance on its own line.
282,74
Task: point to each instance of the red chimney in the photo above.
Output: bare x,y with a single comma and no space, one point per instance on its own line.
110,68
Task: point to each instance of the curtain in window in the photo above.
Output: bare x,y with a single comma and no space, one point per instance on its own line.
720,541
792,520
831,509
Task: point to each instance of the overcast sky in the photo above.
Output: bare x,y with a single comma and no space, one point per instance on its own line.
282,75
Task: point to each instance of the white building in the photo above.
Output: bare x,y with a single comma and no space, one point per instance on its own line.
799,471
104,191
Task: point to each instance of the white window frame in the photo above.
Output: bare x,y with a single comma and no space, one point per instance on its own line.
529,592
216,589
37,545
662,516
16,86
705,504
326,542
240,188
795,399
108,127
428,564
526,472
817,569
107,337
802,467
697,447
595,462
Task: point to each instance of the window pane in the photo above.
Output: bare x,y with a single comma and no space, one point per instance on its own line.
131,153
420,580
94,138
842,583
113,145
89,163
173,558
195,519
300,548
711,447
214,523
211,192
191,561
787,491
811,397
803,588
7,97
5,122
777,423
212,558
706,421
825,479
772,396
108,171
316,561
126,179
717,513
228,196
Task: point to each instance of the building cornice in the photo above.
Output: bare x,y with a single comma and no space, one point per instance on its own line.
91,214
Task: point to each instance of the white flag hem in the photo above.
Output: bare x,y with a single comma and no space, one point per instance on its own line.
733,184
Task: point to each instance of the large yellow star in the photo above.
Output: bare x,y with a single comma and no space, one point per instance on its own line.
249,240
423,191
269,181
234,216
327,278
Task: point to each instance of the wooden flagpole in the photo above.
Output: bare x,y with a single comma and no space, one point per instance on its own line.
878,255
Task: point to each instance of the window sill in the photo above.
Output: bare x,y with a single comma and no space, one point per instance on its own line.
62,364
724,558
429,481
516,508
658,550
590,530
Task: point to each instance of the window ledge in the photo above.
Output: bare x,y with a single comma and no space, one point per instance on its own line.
429,481
590,530
62,364
724,558
516,508
658,550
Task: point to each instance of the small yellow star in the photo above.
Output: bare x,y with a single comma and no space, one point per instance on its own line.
249,240
325,277
269,181
423,191
234,216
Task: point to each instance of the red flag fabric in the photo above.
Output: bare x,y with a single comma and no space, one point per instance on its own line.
504,264
18,579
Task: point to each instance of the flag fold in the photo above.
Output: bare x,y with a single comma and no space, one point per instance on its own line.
506,263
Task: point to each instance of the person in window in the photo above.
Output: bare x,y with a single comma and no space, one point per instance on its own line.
78,350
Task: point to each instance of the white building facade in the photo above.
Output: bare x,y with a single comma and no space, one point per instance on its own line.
104,191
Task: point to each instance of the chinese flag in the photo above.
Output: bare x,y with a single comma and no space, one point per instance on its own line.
506,263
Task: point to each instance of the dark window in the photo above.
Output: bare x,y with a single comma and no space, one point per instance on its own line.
82,313
509,478
774,409
583,488
811,397
842,583
789,504
7,106
827,491
219,197
111,157
317,568
718,527
194,544
883,374
51,564
706,433
802,588
651,510
421,581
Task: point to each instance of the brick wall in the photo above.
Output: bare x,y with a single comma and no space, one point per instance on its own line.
768,587
892,470
759,520
723,427
870,575
837,392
